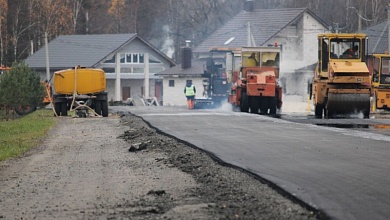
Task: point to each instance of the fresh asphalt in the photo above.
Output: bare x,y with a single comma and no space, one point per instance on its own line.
342,172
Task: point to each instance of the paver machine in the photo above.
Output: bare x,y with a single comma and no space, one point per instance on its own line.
254,74
341,85
379,66
215,84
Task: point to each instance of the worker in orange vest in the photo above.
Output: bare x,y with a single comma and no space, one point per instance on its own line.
190,92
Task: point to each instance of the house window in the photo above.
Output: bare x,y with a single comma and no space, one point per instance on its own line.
156,69
108,70
112,60
153,59
125,70
138,70
134,58
171,83
128,58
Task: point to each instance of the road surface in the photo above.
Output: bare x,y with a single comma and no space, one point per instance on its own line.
341,172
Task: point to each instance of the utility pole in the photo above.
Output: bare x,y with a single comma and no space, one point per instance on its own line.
47,58
146,81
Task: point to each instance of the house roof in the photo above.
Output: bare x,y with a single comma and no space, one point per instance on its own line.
85,50
197,68
377,38
265,24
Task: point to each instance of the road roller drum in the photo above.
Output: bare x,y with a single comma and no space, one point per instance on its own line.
344,104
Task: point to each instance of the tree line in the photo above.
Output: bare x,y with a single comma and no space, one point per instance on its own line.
166,24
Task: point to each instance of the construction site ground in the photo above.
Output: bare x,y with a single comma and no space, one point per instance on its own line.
119,168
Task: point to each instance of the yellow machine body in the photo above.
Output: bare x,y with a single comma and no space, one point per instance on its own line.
380,68
342,83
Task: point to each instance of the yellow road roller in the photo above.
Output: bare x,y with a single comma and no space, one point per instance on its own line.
341,85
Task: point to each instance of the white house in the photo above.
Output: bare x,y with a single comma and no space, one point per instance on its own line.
175,79
296,29
125,76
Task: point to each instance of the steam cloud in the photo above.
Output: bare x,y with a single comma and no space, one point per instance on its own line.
167,46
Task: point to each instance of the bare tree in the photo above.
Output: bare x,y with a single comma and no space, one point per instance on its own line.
18,29
77,6
3,17
117,10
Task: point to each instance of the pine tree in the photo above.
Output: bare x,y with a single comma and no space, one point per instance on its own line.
21,89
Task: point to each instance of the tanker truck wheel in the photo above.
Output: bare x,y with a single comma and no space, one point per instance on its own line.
104,108
98,107
57,108
64,108
244,104
61,108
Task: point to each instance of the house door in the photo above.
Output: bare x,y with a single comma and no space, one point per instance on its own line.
126,93
158,90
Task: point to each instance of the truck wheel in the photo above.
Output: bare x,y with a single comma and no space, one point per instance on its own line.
264,106
244,104
273,105
57,108
318,109
64,109
98,107
104,108
254,105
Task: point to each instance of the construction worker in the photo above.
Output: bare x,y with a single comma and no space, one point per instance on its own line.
190,92
351,52
251,61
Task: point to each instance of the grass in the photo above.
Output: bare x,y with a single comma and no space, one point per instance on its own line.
19,135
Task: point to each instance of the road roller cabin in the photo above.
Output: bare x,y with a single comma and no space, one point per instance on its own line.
379,66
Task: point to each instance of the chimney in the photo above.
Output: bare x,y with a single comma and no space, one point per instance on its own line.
186,56
249,5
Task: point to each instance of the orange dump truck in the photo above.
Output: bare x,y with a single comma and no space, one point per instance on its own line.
254,74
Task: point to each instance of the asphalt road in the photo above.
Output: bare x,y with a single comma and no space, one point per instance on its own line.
343,172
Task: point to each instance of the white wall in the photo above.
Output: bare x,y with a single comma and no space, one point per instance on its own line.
311,29
174,96
299,42
133,79
135,87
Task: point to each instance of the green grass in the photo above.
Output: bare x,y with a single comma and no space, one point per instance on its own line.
19,135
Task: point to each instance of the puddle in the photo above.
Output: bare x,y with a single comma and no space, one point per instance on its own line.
374,128
345,125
